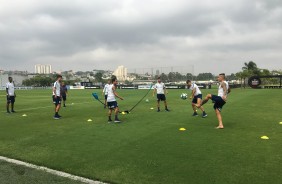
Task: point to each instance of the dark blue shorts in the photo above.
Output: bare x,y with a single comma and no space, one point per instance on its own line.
218,102
106,96
112,105
195,99
11,99
64,97
161,97
57,100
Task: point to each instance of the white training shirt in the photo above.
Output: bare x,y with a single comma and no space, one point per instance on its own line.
160,88
57,86
11,88
111,96
105,91
197,91
221,91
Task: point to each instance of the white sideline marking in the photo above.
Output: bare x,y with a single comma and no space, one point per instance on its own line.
50,106
51,171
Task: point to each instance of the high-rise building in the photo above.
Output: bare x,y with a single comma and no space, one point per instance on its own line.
157,72
43,69
121,73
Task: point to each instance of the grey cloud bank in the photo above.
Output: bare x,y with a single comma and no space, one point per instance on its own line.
214,36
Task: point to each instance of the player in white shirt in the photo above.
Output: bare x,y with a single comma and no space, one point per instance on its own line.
105,92
111,101
11,95
161,90
57,96
220,99
196,96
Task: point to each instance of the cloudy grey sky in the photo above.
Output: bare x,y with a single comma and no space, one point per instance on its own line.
213,36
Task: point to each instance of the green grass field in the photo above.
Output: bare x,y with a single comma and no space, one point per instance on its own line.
148,146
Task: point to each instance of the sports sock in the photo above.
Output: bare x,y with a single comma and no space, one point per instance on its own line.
110,118
116,116
56,114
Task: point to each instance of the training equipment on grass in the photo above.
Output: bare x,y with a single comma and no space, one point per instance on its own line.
95,95
264,137
24,115
147,100
141,98
89,120
183,96
280,123
182,129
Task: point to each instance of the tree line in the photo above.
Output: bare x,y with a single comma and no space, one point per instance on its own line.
249,69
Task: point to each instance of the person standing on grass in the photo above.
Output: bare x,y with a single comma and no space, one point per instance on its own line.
196,95
64,93
220,99
11,95
111,100
161,90
57,96
105,92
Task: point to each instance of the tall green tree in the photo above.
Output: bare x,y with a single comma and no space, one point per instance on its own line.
164,77
205,76
98,77
251,67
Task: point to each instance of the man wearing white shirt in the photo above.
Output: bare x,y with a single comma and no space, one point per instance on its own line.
160,89
111,100
105,92
11,95
220,99
57,96
196,96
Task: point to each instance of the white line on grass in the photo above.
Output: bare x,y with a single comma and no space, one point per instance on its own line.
35,108
51,171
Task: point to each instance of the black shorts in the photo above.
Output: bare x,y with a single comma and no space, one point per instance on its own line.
112,105
195,99
161,97
57,100
218,102
64,97
11,99
106,96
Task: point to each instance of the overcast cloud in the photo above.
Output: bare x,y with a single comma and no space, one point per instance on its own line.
213,36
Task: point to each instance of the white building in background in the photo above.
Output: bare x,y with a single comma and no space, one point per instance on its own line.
42,69
121,73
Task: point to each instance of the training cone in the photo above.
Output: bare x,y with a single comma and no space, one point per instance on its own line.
123,113
151,108
264,137
89,120
280,123
24,115
182,129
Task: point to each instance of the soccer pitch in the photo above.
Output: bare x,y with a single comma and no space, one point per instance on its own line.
147,147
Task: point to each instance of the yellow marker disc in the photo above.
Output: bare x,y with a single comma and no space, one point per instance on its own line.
264,137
